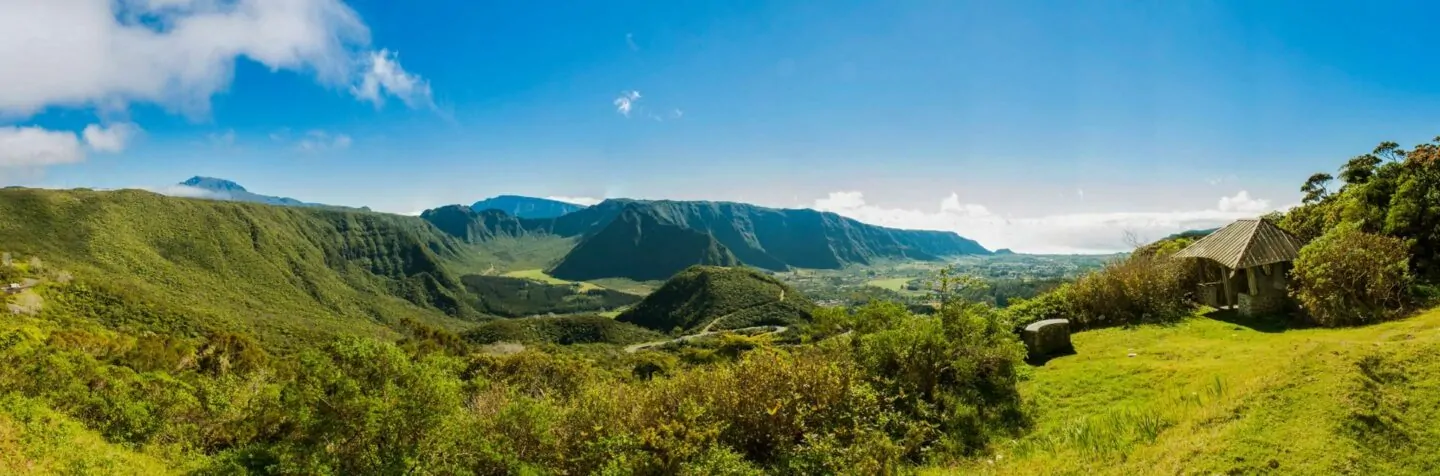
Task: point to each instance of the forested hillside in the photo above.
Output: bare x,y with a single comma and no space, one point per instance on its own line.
286,274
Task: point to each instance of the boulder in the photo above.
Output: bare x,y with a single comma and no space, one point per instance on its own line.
1048,338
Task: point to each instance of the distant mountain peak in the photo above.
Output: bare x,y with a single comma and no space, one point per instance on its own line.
212,183
223,189
526,207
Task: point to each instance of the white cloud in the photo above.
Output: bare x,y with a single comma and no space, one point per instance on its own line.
383,74
226,138
1242,202
586,201
315,141
79,53
626,101
110,139
38,147
1065,233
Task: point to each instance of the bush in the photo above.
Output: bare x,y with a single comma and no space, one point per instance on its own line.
1349,277
1135,291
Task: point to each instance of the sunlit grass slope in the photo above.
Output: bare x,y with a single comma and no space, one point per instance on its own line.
1208,396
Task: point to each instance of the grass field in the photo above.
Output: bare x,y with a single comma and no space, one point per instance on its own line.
539,275
1211,396
893,284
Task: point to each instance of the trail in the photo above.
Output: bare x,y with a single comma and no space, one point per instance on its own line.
706,331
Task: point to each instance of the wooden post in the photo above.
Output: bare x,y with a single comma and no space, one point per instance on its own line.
1229,294
1250,276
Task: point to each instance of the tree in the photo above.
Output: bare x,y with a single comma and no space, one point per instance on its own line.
1315,188
1351,277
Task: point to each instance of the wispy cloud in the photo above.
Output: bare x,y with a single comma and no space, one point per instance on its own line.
1063,233
223,139
586,201
384,75
317,140
626,102
630,41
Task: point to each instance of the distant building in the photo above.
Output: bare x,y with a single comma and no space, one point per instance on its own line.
13,288
1249,262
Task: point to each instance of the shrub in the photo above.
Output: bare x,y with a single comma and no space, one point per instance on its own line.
1140,289
1349,277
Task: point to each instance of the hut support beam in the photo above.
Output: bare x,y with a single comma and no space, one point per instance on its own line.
1229,287
1250,276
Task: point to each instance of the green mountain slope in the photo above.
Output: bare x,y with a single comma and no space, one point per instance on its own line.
286,274
474,226
639,246
700,295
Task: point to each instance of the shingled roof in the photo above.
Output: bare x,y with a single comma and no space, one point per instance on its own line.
1245,243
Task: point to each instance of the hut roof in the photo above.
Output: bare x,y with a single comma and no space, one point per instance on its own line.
1245,243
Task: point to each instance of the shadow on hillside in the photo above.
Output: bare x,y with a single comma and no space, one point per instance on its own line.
1268,324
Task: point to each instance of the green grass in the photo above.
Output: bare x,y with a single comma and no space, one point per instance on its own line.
893,284
1213,397
539,275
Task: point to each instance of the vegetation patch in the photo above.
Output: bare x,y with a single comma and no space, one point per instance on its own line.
700,295
563,330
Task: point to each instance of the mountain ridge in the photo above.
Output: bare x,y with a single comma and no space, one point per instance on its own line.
767,238
224,189
526,207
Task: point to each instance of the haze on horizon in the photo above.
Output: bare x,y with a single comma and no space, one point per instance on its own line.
1028,125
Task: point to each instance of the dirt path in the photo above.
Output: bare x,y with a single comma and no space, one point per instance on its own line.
639,347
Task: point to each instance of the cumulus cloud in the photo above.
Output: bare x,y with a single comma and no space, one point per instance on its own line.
1064,233
586,201
626,102
315,141
30,146
1242,203
109,139
109,54
38,147
383,75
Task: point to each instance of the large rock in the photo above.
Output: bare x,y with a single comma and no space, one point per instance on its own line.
1047,338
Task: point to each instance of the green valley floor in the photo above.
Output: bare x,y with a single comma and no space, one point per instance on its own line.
1225,395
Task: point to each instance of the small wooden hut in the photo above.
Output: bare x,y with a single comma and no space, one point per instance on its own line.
1245,266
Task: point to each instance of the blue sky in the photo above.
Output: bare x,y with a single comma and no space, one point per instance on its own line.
1045,126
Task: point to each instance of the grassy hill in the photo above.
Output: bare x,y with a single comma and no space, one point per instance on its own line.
563,330
143,261
1209,396
637,245
702,294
